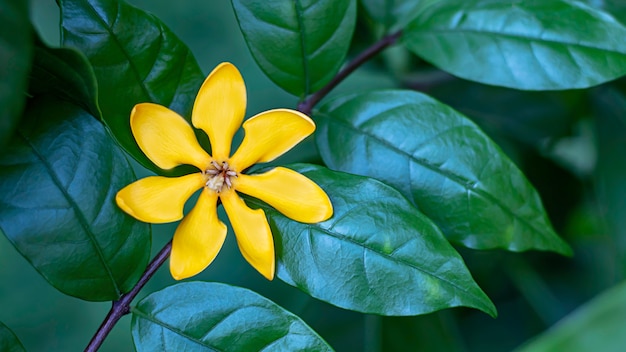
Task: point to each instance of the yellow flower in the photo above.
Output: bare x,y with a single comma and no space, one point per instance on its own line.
168,140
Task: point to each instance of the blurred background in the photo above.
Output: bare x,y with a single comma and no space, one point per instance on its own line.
569,144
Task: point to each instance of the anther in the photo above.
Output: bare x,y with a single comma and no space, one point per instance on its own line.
215,164
231,173
228,182
212,172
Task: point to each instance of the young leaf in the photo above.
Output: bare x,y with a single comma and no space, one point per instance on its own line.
58,181
596,326
535,45
300,45
136,58
441,161
377,254
8,341
15,54
209,316
66,73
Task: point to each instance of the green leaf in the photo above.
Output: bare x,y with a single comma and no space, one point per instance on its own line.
8,341
66,73
136,59
616,8
596,326
299,44
442,162
377,254
209,316
58,181
534,45
15,54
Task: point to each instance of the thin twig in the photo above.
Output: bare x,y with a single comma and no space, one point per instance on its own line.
306,106
121,307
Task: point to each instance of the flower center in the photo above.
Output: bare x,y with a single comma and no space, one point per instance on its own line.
219,175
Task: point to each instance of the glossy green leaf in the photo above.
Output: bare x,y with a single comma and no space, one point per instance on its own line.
210,316
15,55
58,181
442,162
66,73
596,326
391,14
8,341
299,44
535,45
377,254
136,59
610,171
616,8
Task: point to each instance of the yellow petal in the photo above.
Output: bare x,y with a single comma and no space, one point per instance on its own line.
220,107
289,192
253,233
269,135
158,199
198,238
165,137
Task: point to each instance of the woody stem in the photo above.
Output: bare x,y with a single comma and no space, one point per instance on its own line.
307,105
121,307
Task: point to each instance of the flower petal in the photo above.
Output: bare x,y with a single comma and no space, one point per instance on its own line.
165,137
220,107
198,238
158,199
289,192
269,135
253,233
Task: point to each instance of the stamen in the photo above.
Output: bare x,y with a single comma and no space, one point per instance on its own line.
218,174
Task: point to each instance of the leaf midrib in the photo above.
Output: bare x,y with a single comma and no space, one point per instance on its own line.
451,176
79,214
114,37
309,227
491,34
171,328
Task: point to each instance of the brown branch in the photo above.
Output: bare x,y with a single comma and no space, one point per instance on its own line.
307,105
121,307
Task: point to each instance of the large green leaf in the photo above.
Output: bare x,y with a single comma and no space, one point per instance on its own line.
441,161
524,44
8,341
58,180
15,55
377,254
135,57
596,326
299,44
66,73
209,316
